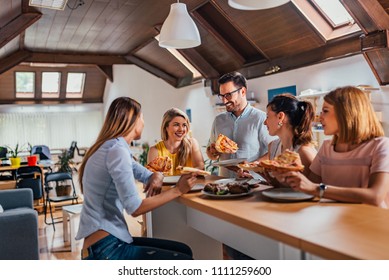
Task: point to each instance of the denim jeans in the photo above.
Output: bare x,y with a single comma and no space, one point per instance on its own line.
142,248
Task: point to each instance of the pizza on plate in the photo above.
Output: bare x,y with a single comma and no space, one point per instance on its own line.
287,161
160,164
187,169
225,145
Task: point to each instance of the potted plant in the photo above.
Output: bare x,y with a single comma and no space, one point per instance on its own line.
65,164
32,160
15,159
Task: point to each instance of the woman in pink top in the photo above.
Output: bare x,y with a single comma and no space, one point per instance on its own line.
354,165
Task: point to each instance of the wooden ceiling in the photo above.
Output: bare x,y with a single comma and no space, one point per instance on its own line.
101,33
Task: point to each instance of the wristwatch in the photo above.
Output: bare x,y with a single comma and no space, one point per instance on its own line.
322,189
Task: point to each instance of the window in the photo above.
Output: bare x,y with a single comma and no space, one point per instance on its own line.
50,84
25,84
75,85
328,17
334,12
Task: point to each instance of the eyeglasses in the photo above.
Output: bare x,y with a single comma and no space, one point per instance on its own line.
228,95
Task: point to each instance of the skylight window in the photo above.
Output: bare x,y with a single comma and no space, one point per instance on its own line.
75,85
50,84
334,12
25,84
329,17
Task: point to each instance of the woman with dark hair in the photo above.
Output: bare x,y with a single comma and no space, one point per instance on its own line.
291,120
176,143
354,165
107,177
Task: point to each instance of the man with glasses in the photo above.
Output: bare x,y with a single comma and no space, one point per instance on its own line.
242,123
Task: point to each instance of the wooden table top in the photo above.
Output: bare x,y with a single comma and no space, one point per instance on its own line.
328,229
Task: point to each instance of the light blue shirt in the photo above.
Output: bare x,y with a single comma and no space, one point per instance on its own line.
109,187
247,130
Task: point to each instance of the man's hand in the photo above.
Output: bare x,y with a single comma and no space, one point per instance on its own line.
154,185
212,153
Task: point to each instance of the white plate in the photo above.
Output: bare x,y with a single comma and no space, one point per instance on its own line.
229,162
225,196
171,179
286,194
197,187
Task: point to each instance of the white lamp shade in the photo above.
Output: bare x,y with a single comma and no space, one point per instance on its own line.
179,30
256,4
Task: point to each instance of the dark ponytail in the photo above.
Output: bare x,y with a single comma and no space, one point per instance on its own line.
300,114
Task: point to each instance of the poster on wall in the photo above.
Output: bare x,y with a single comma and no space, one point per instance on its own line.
273,92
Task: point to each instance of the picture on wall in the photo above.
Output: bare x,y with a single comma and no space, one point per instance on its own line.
273,92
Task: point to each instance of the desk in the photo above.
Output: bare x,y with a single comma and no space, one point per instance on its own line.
270,230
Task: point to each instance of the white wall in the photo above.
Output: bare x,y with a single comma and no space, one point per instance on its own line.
156,96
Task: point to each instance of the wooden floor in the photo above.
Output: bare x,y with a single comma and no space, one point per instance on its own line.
52,245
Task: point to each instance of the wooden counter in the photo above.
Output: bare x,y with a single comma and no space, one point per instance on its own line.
328,229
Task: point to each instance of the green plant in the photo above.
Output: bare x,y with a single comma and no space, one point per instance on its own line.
209,167
65,163
143,155
14,152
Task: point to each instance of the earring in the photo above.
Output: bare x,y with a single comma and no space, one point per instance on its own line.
280,124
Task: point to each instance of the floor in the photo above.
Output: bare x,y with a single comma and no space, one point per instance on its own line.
51,243
53,247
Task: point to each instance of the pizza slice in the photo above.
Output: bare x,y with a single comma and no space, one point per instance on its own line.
287,161
225,145
187,169
160,164
251,166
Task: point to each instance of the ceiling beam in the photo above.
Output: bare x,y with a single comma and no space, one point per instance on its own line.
218,37
198,61
50,101
153,70
334,50
369,14
12,60
16,26
107,71
76,58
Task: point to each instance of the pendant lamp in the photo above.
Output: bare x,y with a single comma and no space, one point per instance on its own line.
256,4
179,30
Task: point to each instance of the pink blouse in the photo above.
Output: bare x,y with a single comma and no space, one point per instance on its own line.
353,168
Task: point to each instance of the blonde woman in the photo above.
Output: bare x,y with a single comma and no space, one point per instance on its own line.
107,176
354,165
176,143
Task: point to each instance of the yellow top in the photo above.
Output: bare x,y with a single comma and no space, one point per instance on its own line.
163,152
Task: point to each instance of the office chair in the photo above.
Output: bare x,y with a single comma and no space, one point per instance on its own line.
30,177
73,148
44,155
53,179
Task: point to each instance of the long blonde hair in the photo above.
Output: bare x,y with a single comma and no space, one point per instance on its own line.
119,121
355,115
185,146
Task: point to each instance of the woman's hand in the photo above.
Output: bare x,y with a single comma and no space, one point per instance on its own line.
297,181
154,185
244,174
186,182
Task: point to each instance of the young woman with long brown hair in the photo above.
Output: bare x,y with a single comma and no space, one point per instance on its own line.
107,176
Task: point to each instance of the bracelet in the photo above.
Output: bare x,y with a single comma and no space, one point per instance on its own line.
322,189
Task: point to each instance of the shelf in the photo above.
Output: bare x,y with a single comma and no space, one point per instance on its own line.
313,95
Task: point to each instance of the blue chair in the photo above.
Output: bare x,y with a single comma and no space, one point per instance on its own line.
44,156
30,177
18,226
